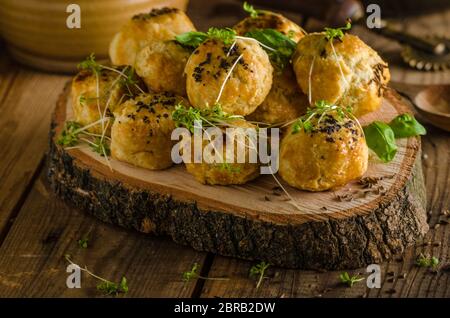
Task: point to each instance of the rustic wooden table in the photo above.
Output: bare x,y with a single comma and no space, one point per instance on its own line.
37,229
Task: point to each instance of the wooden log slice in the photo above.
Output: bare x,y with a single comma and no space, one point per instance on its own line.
253,221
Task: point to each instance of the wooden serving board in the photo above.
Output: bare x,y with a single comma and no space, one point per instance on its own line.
252,221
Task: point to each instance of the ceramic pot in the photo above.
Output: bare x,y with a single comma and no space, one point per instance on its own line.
37,35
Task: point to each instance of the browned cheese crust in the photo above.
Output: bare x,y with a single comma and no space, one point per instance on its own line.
147,28
142,129
248,82
284,102
270,20
112,91
161,66
352,74
225,174
333,153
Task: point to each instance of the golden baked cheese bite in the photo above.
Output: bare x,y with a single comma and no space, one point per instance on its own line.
284,102
238,76
143,29
263,19
328,151
112,91
161,66
142,129
342,71
223,173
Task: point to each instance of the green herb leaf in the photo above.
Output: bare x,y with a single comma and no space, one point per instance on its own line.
90,64
349,280
111,288
226,35
106,286
225,166
251,10
83,242
194,39
82,100
192,274
427,262
321,108
406,125
123,285
131,77
214,116
191,39
381,139
337,33
258,271
100,146
69,135
284,47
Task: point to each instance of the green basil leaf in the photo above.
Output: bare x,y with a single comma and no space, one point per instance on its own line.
406,125
273,39
284,47
191,39
381,139
194,39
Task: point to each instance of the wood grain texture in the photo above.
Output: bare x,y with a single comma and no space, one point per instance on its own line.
25,99
170,202
32,260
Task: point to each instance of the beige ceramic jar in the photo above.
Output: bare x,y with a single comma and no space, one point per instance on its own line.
36,32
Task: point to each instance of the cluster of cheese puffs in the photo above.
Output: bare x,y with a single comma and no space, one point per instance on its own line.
133,101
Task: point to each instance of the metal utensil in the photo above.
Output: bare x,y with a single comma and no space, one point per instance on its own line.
429,53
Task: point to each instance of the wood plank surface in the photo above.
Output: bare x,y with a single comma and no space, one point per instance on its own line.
32,262
27,98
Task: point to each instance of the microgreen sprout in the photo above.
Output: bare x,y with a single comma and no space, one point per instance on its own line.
100,146
193,274
426,261
83,242
337,33
69,135
321,108
105,286
258,271
210,117
251,10
349,280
